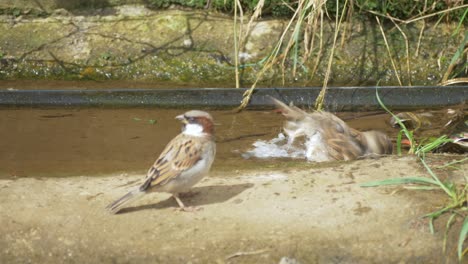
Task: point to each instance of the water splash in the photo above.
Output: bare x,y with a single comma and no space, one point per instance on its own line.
278,147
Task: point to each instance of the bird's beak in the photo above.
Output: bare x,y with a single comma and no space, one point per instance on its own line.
181,118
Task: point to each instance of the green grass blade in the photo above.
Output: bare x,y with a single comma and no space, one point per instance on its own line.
438,213
431,225
452,163
460,24
447,228
459,52
405,130
423,188
447,190
461,239
426,148
396,181
400,133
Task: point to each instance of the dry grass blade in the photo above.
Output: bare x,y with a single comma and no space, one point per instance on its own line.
388,50
295,34
271,60
454,81
433,14
319,53
237,39
407,50
339,19
416,53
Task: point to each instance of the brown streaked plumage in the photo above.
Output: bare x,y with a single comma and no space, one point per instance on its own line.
330,138
185,161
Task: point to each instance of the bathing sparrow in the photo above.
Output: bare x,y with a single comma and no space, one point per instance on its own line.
185,161
330,138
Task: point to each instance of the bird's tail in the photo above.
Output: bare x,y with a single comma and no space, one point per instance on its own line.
119,203
291,112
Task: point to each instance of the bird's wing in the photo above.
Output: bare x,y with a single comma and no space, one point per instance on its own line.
342,141
181,154
342,147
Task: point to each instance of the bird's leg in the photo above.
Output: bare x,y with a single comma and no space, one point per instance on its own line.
182,207
179,202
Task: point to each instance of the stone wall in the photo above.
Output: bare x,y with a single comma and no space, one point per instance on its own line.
133,42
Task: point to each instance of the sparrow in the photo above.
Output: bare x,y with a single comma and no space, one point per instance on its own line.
330,138
185,160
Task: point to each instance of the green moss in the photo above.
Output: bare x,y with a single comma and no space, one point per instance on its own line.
276,8
400,9
272,7
30,12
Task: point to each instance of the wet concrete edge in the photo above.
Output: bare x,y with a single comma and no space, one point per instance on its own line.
337,98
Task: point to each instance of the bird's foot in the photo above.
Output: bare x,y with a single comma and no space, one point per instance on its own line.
190,209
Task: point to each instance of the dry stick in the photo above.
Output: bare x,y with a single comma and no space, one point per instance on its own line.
407,51
321,96
388,50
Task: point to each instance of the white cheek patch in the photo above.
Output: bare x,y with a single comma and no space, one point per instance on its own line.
193,130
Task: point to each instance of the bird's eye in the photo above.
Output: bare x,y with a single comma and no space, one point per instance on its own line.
190,118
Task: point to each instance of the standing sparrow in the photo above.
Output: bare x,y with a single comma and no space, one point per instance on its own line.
330,138
185,161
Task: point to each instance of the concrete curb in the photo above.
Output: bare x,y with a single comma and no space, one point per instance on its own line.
337,98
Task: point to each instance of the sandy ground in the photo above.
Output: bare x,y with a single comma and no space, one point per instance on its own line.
311,213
